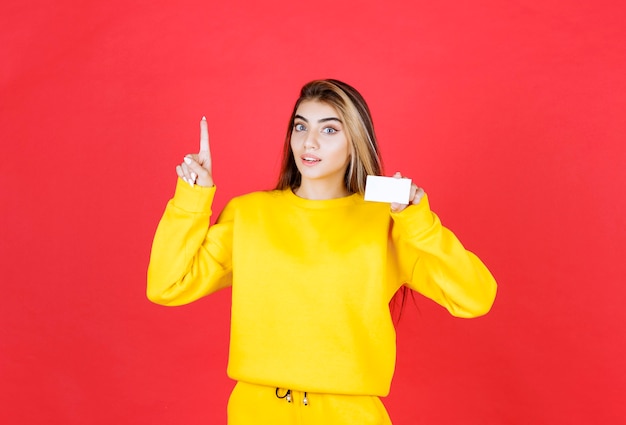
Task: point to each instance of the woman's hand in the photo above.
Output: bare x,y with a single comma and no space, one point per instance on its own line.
196,168
417,193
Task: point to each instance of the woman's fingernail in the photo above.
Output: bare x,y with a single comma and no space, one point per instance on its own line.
203,118
194,176
190,183
187,160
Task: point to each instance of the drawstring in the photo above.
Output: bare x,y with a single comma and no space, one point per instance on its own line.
287,396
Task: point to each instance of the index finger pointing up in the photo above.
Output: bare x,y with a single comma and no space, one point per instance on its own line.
204,135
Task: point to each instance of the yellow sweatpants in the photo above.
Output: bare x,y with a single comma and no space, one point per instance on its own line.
251,404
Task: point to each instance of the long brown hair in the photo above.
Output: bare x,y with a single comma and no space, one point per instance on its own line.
356,116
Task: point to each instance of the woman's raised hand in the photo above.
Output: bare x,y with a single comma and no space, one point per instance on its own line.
196,168
417,193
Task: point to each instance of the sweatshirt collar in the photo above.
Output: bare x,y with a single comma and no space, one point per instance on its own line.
323,203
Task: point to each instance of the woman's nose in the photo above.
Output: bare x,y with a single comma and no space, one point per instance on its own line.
310,142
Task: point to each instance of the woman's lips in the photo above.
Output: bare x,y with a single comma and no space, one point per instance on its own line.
309,160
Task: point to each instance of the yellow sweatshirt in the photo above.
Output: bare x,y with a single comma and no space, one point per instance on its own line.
311,281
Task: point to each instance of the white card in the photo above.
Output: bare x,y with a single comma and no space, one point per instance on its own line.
387,189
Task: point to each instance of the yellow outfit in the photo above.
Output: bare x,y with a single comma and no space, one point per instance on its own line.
311,284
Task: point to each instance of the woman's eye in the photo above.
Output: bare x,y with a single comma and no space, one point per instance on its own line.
329,130
299,127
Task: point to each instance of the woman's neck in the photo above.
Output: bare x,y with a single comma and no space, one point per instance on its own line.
320,191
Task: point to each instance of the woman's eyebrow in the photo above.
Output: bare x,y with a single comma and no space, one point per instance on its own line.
319,121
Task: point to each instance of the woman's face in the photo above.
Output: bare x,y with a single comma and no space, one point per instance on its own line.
319,143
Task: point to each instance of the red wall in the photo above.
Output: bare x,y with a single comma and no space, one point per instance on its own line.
510,114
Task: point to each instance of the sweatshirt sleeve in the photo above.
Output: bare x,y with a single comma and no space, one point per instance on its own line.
435,263
189,259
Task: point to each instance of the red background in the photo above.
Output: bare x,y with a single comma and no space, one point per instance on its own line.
510,114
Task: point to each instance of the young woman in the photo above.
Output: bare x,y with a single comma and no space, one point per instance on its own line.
312,267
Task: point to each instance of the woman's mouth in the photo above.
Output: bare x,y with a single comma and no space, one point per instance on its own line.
309,159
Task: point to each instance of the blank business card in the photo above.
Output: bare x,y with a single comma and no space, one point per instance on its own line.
387,189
